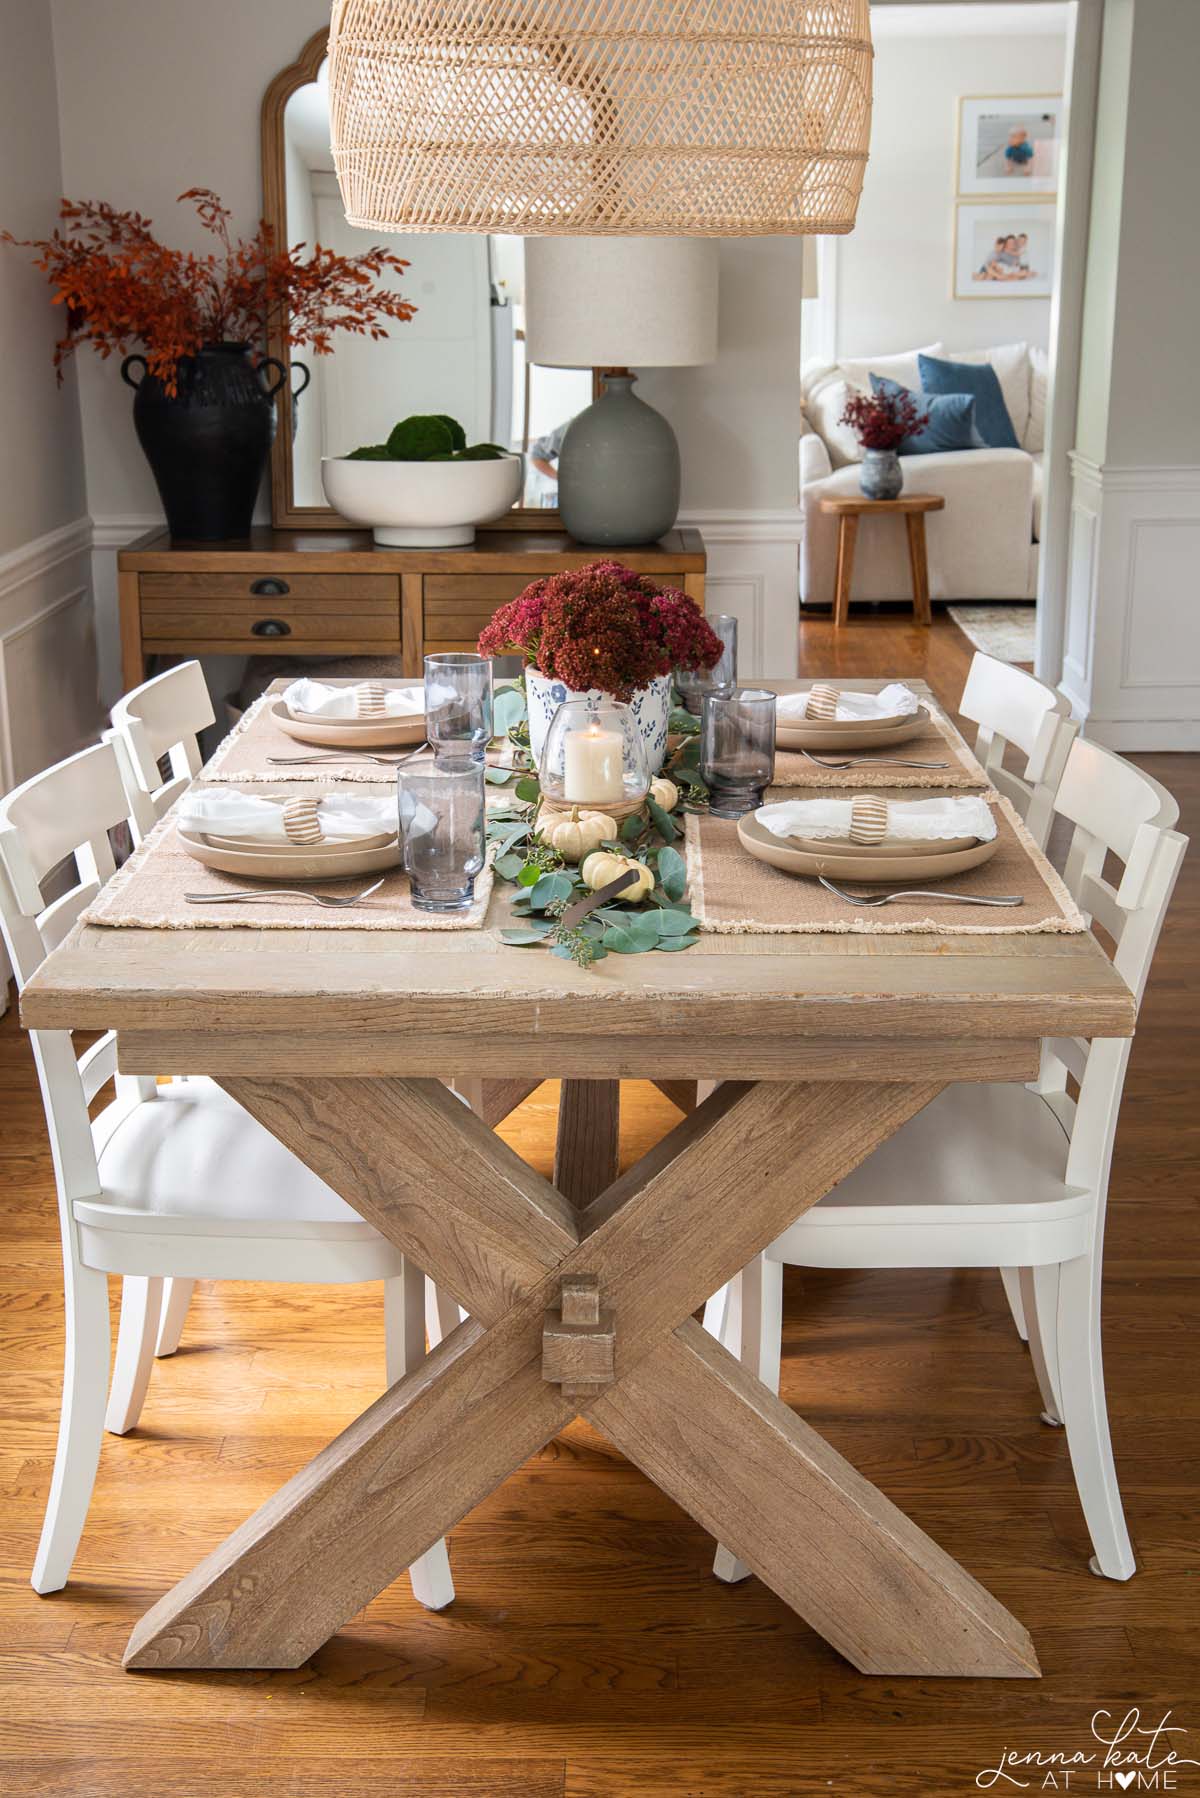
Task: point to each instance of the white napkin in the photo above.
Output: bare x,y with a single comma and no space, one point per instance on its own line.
909,820
321,701
226,812
896,701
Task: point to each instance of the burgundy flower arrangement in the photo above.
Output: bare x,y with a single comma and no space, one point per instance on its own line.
602,626
881,421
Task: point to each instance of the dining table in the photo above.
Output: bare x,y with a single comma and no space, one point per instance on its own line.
580,1292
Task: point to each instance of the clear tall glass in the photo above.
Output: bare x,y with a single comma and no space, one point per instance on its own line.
737,749
693,684
458,705
442,827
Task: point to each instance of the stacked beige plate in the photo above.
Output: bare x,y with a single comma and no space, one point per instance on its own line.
849,733
843,860
350,733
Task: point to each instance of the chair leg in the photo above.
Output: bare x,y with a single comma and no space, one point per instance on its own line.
80,1427
141,1303
442,1313
1039,1302
1011,1277
759,1349
723,1315
177,1296
404,1339
1085,1414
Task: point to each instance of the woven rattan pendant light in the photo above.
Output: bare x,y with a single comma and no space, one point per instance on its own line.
711,118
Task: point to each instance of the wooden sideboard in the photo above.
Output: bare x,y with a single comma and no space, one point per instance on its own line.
327,593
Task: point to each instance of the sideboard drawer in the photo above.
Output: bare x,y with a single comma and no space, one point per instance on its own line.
235,625
457,606
267,583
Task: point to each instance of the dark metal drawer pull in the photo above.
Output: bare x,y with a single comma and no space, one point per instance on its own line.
270,627
270,589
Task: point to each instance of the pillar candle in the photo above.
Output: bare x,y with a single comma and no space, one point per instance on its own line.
593,771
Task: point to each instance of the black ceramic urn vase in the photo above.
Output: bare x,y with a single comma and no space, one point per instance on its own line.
207,443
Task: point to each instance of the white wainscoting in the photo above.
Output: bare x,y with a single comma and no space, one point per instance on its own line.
754,574
1131,659
49,694
108,536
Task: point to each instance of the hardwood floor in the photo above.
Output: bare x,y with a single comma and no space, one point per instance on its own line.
590,1652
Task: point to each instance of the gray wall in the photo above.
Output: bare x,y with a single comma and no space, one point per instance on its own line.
41,457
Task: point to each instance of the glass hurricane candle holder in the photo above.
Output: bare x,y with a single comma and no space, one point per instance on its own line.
694,683
737,749
458,705
442,829
594,755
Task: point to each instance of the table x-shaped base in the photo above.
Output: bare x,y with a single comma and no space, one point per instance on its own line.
516,1252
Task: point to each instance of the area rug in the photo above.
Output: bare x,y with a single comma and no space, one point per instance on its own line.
1006,632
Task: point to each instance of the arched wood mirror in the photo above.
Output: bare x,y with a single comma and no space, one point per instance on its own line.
462,354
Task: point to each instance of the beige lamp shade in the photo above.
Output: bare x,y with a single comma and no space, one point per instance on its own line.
708,118
604,302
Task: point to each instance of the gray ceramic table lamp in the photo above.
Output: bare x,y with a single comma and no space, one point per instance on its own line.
616,303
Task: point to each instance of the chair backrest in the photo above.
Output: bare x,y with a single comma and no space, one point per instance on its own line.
59,817
1011,706
1119,813
162,717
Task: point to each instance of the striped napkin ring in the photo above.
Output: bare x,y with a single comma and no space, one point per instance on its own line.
301,824
370,701
822,702
868,818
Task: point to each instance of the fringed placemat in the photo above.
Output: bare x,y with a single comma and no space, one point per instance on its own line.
734,894
243,758
936,741
147,894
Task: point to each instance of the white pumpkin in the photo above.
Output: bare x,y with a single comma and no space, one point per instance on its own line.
665,793
575,834
604,866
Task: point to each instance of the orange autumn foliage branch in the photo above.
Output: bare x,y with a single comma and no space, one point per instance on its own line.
120,287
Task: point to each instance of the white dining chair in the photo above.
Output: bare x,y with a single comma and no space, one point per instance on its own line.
169,1181
1012,707
160,720
996,1174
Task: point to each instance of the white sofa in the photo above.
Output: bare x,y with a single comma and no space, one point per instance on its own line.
984,544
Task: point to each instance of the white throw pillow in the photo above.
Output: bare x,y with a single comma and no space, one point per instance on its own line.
824,402
1034,439
903,368
1011,363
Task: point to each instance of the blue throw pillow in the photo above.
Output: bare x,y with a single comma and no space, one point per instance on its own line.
951,420
991,414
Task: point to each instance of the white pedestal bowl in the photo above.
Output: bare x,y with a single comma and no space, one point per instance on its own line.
422,505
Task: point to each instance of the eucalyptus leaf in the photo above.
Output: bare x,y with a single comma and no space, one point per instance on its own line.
508,867
675,923
532,933
550,887
511,835
631,828
683,723
646,926
529,875
689,755
671,943
663,822
508,708
528,789
623,942
498,776
672,871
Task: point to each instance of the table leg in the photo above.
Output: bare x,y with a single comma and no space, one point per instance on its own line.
430,1175
844,573
919,562
587,1146
682,1093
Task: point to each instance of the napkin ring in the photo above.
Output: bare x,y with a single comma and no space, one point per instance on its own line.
868,818
370,701
822,702
301,824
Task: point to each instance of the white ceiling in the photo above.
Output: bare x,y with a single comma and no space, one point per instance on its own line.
970,18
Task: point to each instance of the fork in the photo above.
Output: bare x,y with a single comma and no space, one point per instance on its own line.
277,892
353,755
918,893
878,761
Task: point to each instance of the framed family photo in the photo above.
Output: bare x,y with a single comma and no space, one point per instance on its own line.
1009,145
1003,252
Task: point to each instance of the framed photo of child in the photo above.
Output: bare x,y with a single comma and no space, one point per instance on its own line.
1009,145
1003,252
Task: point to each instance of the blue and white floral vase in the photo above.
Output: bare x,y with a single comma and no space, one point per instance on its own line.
650,708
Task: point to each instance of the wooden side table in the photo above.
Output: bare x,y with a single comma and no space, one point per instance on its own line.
912,507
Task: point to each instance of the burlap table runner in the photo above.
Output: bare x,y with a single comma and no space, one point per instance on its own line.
243,757
147,894
734,894
936,741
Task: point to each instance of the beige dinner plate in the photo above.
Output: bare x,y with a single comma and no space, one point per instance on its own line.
862,864
285,867
350,733
856,733
928,846
378,840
